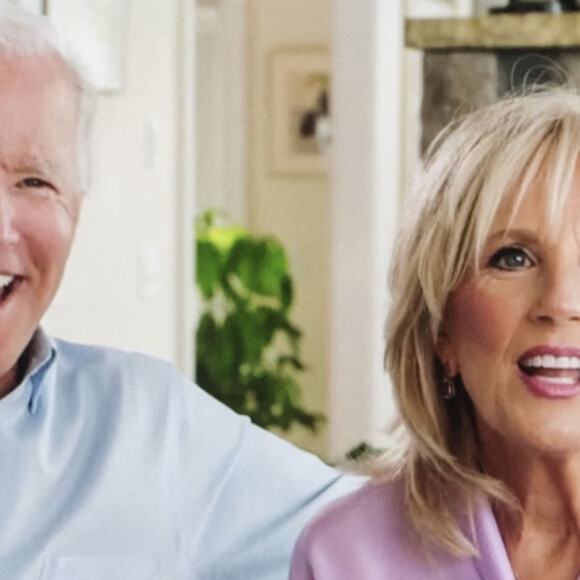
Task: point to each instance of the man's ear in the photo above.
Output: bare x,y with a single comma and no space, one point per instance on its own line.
445,351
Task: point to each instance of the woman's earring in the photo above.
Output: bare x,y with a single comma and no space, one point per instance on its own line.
449,384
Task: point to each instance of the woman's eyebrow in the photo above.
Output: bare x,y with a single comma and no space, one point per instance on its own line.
520,234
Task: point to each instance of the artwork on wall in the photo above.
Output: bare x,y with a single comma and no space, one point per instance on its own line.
299,115
96,31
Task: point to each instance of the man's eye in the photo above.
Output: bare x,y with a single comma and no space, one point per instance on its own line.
511,258
34,182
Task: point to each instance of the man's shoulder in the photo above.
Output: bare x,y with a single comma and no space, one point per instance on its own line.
103,377
105,373
77,357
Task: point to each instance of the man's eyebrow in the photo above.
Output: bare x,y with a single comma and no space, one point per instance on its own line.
29,165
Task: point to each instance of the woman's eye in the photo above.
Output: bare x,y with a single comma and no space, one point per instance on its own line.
511,258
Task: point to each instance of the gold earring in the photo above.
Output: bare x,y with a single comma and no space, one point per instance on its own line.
449,384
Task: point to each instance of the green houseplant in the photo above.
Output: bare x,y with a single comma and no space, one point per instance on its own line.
247,348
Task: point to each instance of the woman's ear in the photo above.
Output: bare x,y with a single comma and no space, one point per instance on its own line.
445,351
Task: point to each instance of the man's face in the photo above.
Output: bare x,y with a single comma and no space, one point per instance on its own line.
39,197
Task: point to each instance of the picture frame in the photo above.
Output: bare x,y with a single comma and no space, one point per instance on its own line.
299,83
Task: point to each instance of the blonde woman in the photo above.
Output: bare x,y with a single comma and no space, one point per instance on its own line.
483,346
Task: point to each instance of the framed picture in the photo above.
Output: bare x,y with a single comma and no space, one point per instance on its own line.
299,110
96,31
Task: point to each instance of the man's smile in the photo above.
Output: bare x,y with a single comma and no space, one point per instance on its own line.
8,285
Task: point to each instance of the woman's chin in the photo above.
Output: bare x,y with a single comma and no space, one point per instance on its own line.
550,436
536,428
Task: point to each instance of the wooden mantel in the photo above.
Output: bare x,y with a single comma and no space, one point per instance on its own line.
505,31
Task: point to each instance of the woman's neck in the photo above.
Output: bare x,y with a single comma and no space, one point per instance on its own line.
543,540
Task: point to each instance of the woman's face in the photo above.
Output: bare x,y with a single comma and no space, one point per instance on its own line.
512,329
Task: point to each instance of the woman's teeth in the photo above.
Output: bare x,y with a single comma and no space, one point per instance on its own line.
548,361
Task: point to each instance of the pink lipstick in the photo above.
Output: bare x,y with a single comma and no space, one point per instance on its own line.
551,372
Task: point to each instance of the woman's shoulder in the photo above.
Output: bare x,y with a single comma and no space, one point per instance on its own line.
376,508
369,535
355,536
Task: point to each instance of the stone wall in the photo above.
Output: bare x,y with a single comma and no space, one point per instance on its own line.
469,63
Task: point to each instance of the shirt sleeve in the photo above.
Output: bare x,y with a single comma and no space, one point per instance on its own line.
244,493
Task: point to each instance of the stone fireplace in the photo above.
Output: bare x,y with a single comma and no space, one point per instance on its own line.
469,63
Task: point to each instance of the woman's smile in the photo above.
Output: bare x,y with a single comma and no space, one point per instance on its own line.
551,372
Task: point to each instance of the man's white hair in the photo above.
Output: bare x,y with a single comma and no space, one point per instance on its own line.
25,34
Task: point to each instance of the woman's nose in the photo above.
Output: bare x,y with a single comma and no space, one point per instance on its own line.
558,297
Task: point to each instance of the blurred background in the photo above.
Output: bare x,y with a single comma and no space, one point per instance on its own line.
298,123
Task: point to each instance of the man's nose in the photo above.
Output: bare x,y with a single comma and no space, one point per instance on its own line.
558,297
8,230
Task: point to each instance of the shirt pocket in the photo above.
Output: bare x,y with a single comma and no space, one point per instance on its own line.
95,568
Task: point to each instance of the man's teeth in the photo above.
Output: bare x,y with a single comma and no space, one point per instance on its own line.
549,361
5,280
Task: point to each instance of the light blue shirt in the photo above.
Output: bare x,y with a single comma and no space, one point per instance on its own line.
115,467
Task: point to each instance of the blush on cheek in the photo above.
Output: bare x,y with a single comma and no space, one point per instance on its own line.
477,316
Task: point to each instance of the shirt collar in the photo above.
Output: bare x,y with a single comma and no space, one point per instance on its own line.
493,562
37,357
41,351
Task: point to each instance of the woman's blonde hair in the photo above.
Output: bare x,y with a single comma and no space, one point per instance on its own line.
475,164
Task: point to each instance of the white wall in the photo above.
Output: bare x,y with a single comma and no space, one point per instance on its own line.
221,105
129,276
295,208
367,58
441,8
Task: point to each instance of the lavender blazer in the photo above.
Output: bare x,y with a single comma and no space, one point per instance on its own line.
368,535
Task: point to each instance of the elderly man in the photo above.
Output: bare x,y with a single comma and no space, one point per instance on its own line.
113,466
